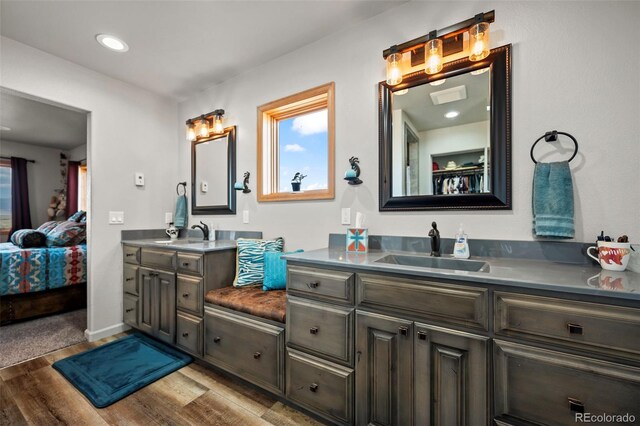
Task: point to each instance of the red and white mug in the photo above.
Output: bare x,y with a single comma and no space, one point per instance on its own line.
611,256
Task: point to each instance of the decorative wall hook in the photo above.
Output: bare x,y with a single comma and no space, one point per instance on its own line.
352,175
244,185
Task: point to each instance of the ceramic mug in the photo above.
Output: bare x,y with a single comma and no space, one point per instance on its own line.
172,232
611,256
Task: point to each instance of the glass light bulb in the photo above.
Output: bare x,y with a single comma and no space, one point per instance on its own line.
203,128
479,41
394,69
217,125
191,132
433,56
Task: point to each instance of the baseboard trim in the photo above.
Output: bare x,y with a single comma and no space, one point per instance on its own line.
92,336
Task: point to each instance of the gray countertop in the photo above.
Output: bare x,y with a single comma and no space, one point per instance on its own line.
516,273
184,244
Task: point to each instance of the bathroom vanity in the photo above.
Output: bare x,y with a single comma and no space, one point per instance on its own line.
402,338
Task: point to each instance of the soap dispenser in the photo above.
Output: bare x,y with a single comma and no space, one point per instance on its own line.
461,247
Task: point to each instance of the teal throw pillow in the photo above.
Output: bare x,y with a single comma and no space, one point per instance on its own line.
275,271
250,259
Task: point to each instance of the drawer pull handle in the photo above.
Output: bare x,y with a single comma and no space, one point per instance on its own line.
185,264
574,328
130,279
313,284
422,335
313,387
185,295
257,355
403,330
313,330
576,405
216,340
130,254
129,310
185,334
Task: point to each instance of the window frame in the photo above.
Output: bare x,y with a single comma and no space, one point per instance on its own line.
269,115
6,163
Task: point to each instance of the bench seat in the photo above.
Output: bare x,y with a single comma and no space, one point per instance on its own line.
251,300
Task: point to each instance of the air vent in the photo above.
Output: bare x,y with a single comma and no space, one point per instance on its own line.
453,94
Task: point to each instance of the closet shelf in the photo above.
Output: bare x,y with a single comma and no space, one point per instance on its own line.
460,170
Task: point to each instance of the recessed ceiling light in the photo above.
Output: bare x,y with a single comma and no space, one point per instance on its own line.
112,43
452,114
488,107
5,128
480,71
438,82
401,92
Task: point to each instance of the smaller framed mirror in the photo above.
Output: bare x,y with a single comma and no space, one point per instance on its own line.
213,173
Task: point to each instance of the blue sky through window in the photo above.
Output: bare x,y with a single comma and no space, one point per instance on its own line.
303,147
5,197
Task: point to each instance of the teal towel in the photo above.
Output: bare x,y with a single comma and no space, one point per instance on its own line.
180,218
553,200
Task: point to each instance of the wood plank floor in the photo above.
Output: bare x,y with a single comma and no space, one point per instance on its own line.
33,393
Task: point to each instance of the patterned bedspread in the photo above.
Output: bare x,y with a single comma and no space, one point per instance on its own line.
39,269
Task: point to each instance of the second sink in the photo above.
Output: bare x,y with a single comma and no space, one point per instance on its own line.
435,262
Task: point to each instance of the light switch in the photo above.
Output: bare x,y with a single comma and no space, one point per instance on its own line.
139,179
204,187
168,217
116,218
245,216
346,216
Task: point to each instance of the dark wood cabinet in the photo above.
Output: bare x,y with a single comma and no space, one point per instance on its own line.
157,311
384,371
450,377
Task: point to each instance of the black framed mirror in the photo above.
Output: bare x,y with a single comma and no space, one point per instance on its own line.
445,139
213,173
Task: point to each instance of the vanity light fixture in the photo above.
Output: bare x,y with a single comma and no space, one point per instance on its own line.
394,67
452,114
433,54
438,82
112,43
433,48
191,131
218,127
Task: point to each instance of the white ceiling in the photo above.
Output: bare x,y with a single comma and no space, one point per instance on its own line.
38,123
178,48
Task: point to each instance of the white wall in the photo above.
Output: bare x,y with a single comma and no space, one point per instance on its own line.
44,175
78,153
130,130
563,79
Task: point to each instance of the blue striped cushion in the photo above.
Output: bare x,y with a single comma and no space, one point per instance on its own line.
250,259
77,216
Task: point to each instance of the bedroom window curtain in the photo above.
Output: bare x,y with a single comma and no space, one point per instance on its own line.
72,187
20,212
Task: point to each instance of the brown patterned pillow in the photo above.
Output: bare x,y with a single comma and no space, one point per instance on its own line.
67,234
47,227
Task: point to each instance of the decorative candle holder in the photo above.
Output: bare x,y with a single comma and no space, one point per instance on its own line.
352,175
244,185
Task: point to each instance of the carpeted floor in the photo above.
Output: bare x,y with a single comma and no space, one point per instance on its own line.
30,339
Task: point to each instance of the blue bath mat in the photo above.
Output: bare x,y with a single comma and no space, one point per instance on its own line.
114,370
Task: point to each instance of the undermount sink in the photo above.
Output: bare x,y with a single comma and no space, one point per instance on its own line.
435,263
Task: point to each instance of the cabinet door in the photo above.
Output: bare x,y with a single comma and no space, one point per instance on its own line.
384,352
146,301
450,381
165,324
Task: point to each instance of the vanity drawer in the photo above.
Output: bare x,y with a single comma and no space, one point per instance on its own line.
251,349
189,333
189,294
131,254
321,328
321,283
322,387
130,279
191,263
164,259
447,303
602,328
547,387
130,307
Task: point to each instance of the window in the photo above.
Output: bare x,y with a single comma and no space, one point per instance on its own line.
82,187
296,139
5,196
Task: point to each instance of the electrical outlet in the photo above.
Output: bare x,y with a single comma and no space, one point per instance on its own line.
346,216
116,218
204,186
245,216
168,217
139,179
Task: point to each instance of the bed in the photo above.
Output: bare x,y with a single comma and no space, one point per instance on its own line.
41,281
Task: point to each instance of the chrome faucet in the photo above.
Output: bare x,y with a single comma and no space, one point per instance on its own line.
434,234
205,230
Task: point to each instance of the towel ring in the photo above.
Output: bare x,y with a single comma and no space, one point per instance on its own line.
178,188
552,136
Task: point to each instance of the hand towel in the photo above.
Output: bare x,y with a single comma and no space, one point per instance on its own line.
180,218
553,200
